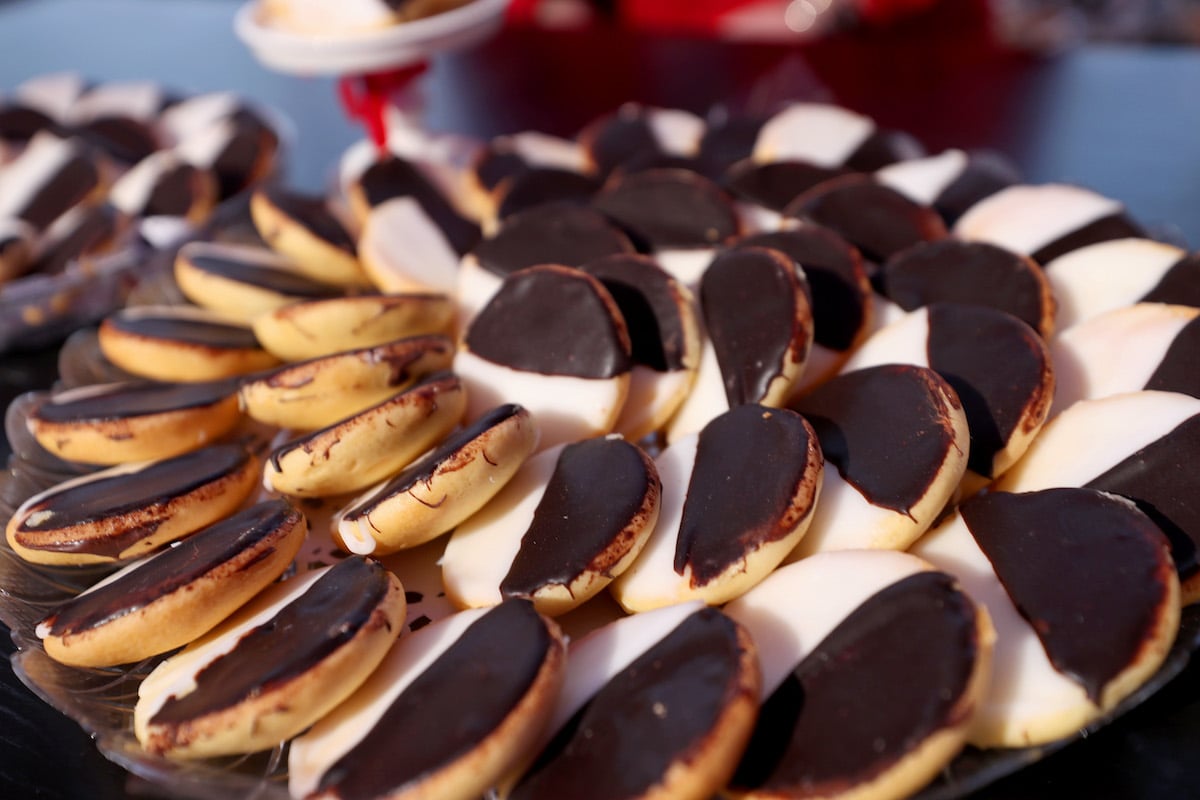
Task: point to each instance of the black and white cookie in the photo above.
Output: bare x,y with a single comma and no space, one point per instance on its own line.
509,156
830,136
764,190
951,181
638,133
49,177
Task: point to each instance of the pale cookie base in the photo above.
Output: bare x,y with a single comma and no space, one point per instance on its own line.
312,255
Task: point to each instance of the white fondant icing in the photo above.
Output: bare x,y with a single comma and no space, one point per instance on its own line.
1026,218
923,180
21,178
686,266
541,150
706,400
653,397
197,113
53,93
677,132
820,134
402,248
140,100
1107,275
132,190
474,287
905,341
202,147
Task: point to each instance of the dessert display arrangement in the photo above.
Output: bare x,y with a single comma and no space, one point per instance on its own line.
754,457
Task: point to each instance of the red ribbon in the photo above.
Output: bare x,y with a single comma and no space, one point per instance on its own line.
366,97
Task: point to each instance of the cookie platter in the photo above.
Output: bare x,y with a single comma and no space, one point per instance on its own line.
812,438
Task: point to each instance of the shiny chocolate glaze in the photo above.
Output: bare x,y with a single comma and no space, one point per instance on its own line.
395,177
204,333
889,676
1179,370
1087,572
1180,284
833,270
754,479
775,184
552,321
954,271
998,366
886,430
587,511
620,138
542,186
758,319
450,709
174,568
313,215
876,219
135,399
555,234
1113,226
1162,480
233,268
308,630
422,470
649,301
652,715
984,174
669,209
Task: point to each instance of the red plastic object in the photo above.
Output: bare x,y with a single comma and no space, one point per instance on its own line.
366,97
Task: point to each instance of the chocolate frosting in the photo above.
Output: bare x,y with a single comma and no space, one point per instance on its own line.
74,180
775,184
589,509
1179,370
875,218
136,399
496,165
758,319
174,568
888,677
669,209
984,174
649,301
555,234
620,138
313,215
174,194
240,160
217,335
540,186
1113,226
1180,284
553,321
450,709
650,716
833,271
753,481
122,138
20,123
976,273
999,368
93,228
886,430
234,268
306,631
729,140
154,486
1162,480
421,471
881,148
1086,571
395,177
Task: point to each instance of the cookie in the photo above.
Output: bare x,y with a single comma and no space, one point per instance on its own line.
677,216
974,273
17,247
119,423
737,498
541,186
1130,445
241,281
728,138
895,441
571,519
81,235
1045,221
170,599
229,138
636,132
303,229
318,392
314,328
998,366
669,696
1145,346
282,662
552,340
468,695
875,218
559,234
837,284
1120,272
48,178
163,184
130,510
181,343
1084,597
873,668
951,181
664,335
392,177
362,449
442,489
764,190
830,136
508,156
758,323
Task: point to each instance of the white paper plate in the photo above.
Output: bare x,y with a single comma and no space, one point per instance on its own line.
373,51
